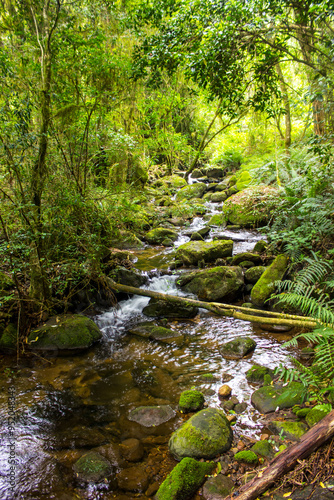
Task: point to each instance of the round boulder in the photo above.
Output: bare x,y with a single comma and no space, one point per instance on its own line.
238,348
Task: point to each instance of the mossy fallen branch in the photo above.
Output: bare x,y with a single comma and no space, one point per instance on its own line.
238,312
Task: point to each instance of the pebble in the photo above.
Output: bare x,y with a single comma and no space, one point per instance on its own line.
224,391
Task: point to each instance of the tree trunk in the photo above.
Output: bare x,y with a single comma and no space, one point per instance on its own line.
286,460
284,89
243,313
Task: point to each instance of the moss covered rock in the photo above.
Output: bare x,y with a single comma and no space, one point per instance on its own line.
218,197
257,373
174,183
206,434
246,456
252,206
92,467
215,172
265,286
290,430
302,412
191,401
317,413
196,251
159,234
240,257
269,397
184,480
163,309
150,330
238,348
253,274
128,277
263,448
217,283
217,220
244,179
8,338
126,239
67,332
260,246
191,191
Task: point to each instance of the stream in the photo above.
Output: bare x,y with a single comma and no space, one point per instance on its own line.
67,406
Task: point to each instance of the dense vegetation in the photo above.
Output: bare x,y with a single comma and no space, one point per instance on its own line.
100,100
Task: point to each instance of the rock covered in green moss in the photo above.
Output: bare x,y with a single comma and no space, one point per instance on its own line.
238,347
92,467
206,434
67,332
265,286
217,220
263,448
252,206
191,401
159,234
191,191
247,456
215,172
269,397
126,239
217,487
184,480
253,274
8,338
260,246
240,257
302,412
150,330
218,197
174,182
161,308
196,251
317,413
257,373
214,284
127,277
291,430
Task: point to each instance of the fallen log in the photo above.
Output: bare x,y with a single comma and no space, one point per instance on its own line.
253,315
286,460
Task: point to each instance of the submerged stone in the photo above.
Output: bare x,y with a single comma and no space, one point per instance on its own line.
151,416
215,284
163,309
67,332
92,467
184,480
206,434
238,347
196,251
152,331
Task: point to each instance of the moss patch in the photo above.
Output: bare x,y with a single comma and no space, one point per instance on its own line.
317,413
191,401
291,430
263,448
92,467
238,348
265,286
247,456
195,251
257,373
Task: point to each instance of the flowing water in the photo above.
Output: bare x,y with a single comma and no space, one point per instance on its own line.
67,406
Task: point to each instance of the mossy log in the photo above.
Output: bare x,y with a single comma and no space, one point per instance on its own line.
286,460
238,312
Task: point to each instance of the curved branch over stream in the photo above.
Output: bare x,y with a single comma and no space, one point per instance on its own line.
237,312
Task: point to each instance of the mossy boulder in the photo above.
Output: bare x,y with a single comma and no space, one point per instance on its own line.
246,456
253,274
244,179
92,467
263,448
215,172
217,220
217,487
257,373
124,240
197,173
191,401
218,197
196,237
66,333
265,286
174,183
163,309
252,206
191,191
260,246
217,283
152,416
8,338
205,435
127,277
302,412
237,348
317,413
240,257
184,480
290,430
159,234
196,251
269,397
150,330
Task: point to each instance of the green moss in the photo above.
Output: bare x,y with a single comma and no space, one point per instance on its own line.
247,456
263,448
238,347
253,274
184,480
92,467
158,235
6,281
217,220
195,251
302,412
257,373
265,286
291,430
191,191
191,401
317,413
